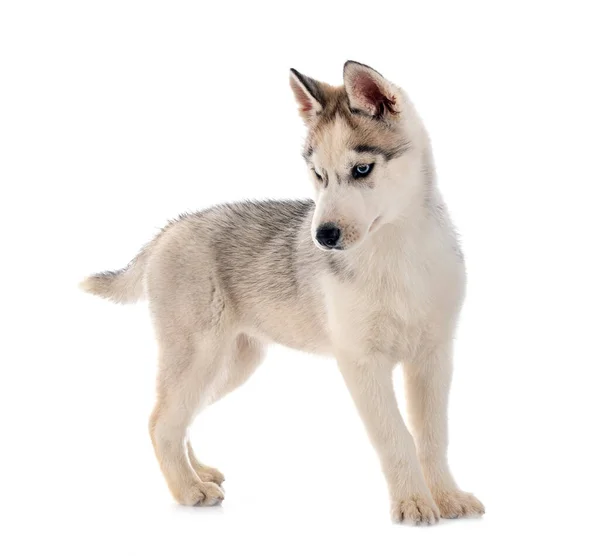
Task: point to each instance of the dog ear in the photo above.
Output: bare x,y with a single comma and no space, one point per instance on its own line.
309,95
368,91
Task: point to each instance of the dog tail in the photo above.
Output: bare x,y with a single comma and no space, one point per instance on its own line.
121,286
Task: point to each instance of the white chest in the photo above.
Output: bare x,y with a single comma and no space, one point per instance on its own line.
384,316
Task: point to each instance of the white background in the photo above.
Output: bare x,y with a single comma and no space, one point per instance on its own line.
115,116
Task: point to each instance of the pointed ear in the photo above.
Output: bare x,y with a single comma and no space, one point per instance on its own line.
369,91
309,95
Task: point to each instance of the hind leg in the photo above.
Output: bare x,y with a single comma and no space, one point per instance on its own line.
243,359
188,367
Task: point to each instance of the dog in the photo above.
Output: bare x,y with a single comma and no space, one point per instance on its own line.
370,272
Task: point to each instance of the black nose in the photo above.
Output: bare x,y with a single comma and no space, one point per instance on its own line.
328,235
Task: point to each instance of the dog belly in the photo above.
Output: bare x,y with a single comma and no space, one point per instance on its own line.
303,330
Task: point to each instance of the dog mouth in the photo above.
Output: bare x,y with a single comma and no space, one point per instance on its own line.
345,238
374,225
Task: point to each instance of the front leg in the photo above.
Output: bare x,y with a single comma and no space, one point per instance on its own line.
369,380
427,385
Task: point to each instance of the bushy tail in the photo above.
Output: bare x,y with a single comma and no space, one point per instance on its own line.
121,286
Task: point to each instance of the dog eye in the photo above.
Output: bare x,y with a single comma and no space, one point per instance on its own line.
361,170
319,177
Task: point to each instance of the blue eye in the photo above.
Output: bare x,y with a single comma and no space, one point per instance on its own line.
361,170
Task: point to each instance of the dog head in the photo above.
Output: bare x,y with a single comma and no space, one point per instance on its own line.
363,151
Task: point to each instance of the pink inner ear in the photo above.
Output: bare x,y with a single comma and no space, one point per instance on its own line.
305,102
369,92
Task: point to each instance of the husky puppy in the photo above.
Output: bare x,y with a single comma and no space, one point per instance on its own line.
370,273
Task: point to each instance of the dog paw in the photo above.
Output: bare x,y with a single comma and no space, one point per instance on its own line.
456,503
209,474
415,510
201,494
